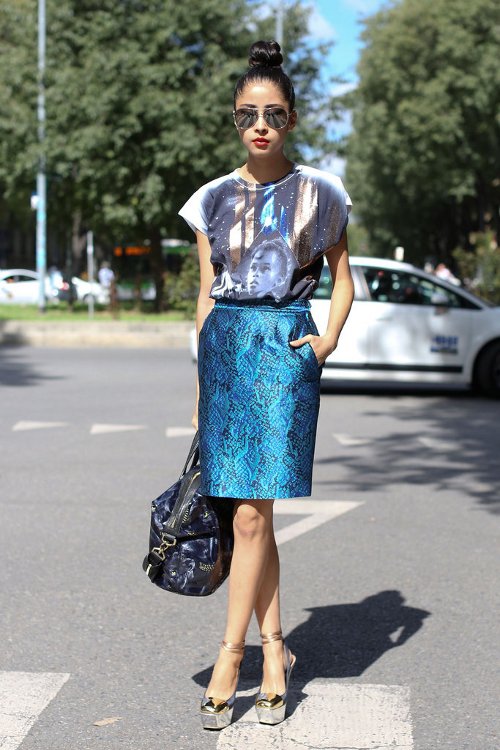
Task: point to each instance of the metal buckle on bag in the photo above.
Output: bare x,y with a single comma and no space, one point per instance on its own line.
165,544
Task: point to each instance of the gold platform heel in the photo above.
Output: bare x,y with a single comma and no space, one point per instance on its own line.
217,713
271,707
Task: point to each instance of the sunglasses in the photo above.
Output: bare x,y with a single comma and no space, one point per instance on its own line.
275,117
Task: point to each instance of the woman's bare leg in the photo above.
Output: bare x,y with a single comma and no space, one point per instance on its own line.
267,611
253,530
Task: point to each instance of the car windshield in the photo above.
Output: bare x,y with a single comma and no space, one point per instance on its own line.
404,287
388,285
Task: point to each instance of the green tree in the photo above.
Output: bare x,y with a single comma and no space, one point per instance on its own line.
423,155
139,101
479,266
18,92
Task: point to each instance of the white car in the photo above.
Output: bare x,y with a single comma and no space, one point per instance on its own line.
409,326
85,290
19,286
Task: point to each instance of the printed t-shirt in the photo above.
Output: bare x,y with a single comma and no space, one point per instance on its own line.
267,241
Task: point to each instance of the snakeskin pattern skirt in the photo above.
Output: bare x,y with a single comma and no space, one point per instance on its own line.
259,400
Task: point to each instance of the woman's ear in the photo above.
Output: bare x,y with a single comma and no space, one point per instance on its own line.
293,119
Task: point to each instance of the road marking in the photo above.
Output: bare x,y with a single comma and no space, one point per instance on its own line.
317,512
438,445
332,716
23,696
351,440
171,432
101,429
26,425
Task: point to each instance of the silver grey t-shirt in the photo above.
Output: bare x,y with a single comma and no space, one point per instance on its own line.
267,241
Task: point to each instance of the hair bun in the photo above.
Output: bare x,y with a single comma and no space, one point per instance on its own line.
265,55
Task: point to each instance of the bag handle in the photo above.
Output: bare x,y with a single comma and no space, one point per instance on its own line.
193,455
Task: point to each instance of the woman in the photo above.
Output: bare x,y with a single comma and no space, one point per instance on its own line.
262,232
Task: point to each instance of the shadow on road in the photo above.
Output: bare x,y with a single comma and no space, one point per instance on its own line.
384,388
17,370
453,443
340,640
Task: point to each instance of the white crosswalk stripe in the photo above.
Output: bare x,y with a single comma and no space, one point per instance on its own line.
171,432
333,716
438,445
102,429
23,696
317,512
27,425
349,440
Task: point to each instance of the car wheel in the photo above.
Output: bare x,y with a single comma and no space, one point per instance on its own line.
488,371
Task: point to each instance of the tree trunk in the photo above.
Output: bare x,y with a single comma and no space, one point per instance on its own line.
77,242
157,268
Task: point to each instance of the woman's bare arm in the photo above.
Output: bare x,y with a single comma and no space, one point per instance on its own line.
343,290
204,303
341,301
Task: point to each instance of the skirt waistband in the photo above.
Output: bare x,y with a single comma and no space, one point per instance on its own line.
263,304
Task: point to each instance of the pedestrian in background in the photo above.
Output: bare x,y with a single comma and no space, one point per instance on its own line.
106,275
443,272
262,233
106,278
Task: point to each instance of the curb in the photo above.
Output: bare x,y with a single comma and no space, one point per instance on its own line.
95,334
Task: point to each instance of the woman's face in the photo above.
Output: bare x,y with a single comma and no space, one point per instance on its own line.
261,140
266,271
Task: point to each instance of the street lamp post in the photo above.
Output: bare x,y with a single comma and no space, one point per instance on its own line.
41,181
280,9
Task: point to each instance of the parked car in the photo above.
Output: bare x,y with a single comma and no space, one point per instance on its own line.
127,290
85,289
21,286
409,326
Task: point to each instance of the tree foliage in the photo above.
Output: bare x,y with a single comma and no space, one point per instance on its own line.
18,96
423,155
480,266
139,102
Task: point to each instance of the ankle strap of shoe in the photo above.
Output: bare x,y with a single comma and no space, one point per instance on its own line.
234,647
270,637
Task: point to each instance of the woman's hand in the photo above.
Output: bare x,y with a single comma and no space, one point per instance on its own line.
194,420
322,346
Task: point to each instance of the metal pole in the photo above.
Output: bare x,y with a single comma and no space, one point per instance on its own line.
279,21
41,182
90,271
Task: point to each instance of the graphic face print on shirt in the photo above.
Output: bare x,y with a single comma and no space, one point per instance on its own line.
266,267
266,239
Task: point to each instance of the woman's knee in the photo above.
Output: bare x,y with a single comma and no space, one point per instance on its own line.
252,521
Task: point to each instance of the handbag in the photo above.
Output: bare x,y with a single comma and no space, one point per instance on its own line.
191,535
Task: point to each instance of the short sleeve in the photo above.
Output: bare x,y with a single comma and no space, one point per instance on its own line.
334,205
196,210
348,201
338,192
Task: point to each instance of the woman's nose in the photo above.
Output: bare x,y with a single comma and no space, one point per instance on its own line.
261,124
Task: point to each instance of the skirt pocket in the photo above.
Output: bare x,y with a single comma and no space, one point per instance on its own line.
306,352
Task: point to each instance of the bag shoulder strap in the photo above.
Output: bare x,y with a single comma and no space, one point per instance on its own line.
193,455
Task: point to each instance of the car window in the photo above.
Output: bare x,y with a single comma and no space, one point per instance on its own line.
16,278
387,285
324,290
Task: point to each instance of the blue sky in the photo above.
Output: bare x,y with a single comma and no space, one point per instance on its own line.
338,21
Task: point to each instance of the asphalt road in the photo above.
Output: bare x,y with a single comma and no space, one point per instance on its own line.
400,592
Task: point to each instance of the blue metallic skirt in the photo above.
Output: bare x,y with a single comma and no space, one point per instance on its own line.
259,400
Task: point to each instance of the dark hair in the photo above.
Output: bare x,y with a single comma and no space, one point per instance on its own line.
265,60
